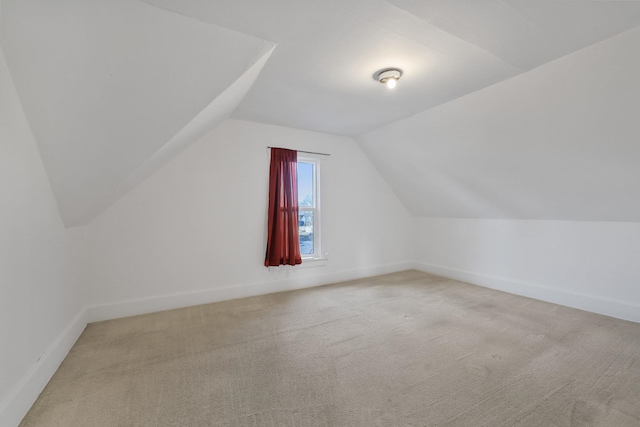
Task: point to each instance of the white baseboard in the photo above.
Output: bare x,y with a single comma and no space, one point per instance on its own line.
134,307
18,402
16,405
593,303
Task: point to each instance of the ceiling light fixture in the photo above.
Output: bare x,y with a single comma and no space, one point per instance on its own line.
388,76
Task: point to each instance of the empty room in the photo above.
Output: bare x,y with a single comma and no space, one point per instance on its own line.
319,214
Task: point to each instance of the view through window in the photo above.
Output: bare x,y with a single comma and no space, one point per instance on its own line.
308,208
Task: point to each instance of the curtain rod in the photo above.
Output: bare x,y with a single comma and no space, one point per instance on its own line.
308,152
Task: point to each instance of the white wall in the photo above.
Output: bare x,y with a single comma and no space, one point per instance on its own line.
107,84
42,287
545,166
589,265
195,231
559,143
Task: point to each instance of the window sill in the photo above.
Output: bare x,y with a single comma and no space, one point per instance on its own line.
306,263
313,262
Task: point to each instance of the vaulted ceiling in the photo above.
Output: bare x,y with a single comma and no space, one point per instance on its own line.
112,89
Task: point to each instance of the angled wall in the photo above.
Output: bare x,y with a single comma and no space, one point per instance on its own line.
557,143
42,281
195,231
105,85
531,185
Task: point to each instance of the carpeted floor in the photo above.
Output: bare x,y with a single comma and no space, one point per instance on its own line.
406,349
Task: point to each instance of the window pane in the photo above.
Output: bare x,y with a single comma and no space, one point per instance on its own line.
305,229
305,184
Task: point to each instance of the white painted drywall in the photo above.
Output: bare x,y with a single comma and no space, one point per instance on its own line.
559,143
320,77
589,265
195,231
211,116
42,286
105,85
545,166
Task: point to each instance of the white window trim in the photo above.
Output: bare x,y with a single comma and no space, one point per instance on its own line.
318,258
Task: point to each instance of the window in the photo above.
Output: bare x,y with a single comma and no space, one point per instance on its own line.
309,207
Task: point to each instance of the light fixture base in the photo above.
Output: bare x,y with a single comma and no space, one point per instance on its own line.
386,74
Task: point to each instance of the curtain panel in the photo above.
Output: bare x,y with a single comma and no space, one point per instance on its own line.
283,244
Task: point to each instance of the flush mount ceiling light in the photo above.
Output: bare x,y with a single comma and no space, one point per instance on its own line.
388,76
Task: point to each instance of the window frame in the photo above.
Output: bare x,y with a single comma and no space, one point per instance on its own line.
315,209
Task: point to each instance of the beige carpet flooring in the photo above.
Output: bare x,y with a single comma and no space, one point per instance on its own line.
406,349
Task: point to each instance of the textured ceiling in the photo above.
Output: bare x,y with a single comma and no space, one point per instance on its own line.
112,89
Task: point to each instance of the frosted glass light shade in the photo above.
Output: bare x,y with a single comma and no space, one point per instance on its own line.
388,76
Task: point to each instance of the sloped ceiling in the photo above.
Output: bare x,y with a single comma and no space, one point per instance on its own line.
112,89
560,142
320,77
106,84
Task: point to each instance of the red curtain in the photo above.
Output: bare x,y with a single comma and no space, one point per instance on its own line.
283,246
